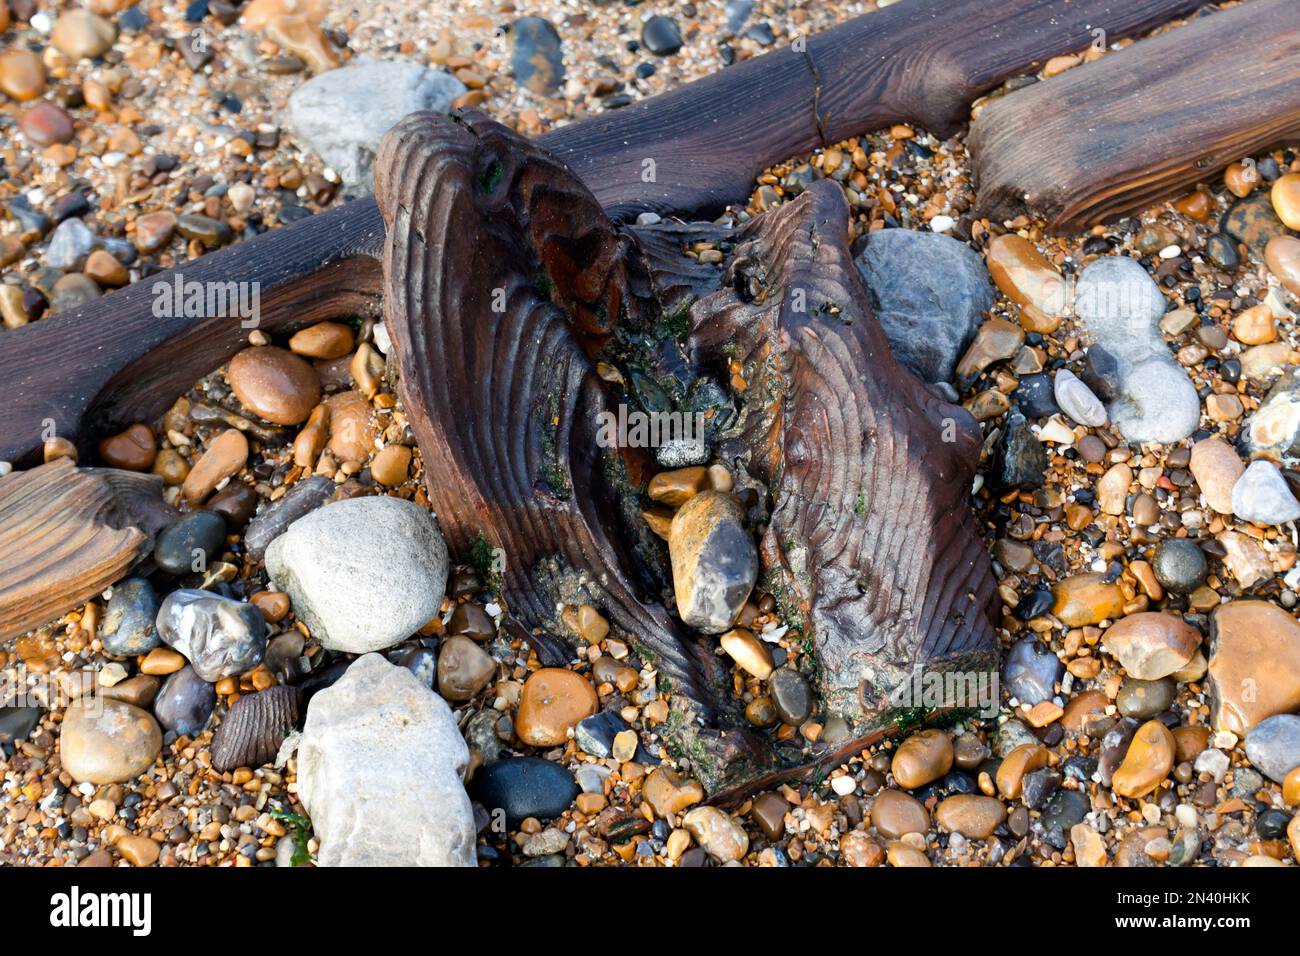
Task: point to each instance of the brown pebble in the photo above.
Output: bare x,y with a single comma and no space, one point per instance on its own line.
274,605
922,758
225,456
106,270
138,850
274,384
22,74
133,449
162,661
895,813
45,124
552,702
391,465
324,340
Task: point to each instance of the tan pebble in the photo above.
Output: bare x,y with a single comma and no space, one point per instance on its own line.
1089,849
1024,276
225,456
274,384
900,854
895,813
1151,644
749,653
1242,692
1012,770
1086,599
107,271
1241,179
973,816
161,661
552,702
392,465
1149,759
585,621
133,449
1255,326
352,429
1282,256
59,448
138,850
860,850
675,488
1286,199
324,340
922,758
669,793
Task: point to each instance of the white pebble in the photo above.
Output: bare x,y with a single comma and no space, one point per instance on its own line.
942,223
1170,252
844,785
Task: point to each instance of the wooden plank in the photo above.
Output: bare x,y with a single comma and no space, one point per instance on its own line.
1115,135
67,533
113,362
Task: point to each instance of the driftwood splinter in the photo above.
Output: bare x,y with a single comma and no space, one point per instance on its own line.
1116,135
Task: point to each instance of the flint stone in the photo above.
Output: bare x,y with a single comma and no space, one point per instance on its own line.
129,628
380,770
364,573
342,114
1122,306
930,293
219,636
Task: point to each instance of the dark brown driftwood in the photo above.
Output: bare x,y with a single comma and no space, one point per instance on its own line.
66,534
1113,136
921,62
504,280
871,540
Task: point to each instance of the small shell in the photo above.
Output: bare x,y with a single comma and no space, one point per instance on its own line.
253,730
1077,400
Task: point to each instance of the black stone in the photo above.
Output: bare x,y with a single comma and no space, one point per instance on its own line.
17,723
1179,565
202,533
1020,461
1035,397
1272,823
1101,374
237,503
595,734
660,36
1035,604
184,702
525,787
1039,786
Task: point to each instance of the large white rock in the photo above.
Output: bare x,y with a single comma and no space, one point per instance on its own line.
363,574
381,766
343,113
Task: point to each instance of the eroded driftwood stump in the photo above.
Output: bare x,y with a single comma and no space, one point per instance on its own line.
506,282
68,533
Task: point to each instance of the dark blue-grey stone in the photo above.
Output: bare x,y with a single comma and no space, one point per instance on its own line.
1273,746
302,498
737,12
1066,809
129,621
184,702
930,293
1180,565
1019,460
191,543
525,787
423,663
1035,396
660,36
595,734
1031,671
1039,786
538,55
791,695
17,723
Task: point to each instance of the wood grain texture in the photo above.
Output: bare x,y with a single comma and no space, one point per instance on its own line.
503,277
1134,127
871,543
113,362
66,534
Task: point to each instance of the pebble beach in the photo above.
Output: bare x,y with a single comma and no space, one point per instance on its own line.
300,637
